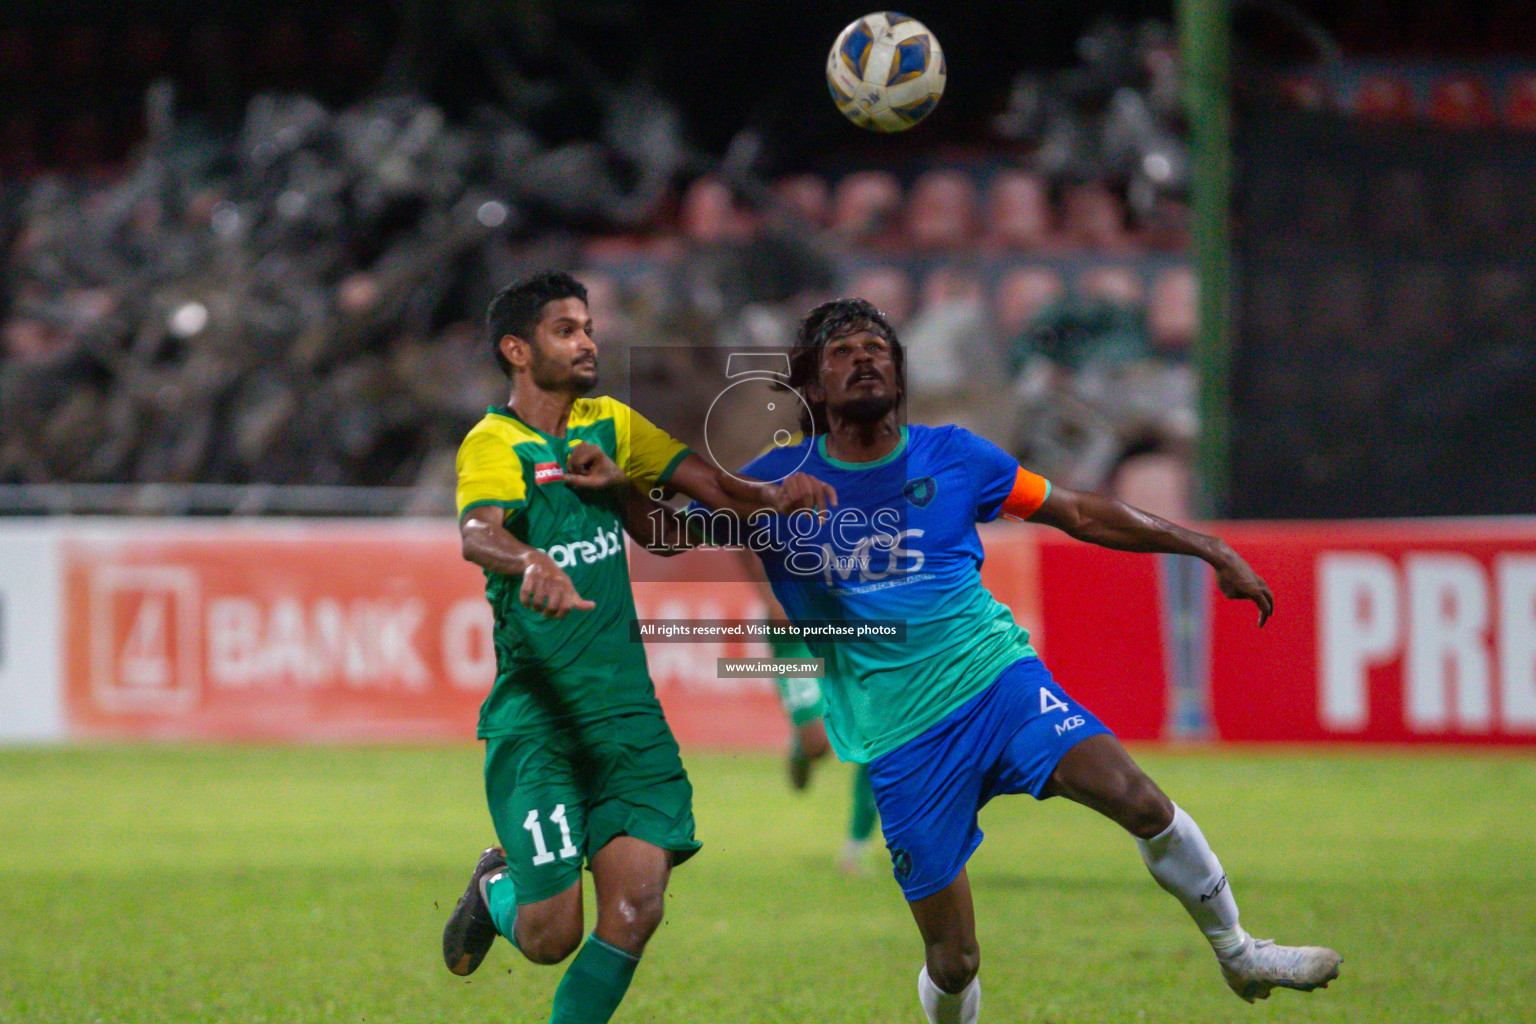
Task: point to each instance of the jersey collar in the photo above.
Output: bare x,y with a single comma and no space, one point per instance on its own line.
888,457
507,412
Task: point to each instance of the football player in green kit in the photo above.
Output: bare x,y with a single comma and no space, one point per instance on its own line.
580,765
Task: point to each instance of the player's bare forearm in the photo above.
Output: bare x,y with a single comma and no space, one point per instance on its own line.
743,496
657,528
487,543
707,485
545,587
1096,519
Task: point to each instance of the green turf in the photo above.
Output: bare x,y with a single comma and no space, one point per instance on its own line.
310,885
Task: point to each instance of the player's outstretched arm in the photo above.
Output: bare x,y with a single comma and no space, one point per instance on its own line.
744,496
659,529
1101,520
546,588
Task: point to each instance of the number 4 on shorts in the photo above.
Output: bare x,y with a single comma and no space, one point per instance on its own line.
1049,702
541,854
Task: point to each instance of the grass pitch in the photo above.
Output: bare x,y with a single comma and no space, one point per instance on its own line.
248,885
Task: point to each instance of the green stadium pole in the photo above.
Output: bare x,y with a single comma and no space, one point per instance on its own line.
1205,43
1205,36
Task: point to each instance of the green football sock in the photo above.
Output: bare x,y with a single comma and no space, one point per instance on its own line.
594,984
861,823
501,898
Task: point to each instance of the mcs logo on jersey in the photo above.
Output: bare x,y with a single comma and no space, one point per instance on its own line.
875,557
604,544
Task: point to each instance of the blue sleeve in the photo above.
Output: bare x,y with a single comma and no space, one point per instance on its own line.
992,473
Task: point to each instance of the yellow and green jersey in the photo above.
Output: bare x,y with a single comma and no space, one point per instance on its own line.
585,666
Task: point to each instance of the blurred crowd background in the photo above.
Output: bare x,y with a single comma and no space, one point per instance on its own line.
248,251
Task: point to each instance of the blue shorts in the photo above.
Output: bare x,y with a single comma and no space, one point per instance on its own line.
1006,739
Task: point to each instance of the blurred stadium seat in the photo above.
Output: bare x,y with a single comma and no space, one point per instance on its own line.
866,207
954,371
1093,218
886,285
1461,102
27,340
1020,295
950,284
1304,92
941,211
1173,310
710,215
1165,227
1113,283
1519,110
1382,97
1018,211
605,301
1156,482
807,196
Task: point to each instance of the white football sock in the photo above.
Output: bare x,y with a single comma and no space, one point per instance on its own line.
1182,862
943,1008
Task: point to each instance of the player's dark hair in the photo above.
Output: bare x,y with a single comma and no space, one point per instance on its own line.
823,325
519,307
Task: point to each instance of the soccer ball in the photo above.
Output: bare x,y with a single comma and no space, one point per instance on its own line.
886,72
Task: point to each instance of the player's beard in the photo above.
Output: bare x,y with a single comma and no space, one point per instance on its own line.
551,376
869,409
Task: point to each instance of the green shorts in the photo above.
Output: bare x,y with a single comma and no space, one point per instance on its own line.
557,797
800,696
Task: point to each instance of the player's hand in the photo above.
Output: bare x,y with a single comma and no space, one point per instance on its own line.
800,491
548,590
589,466
1237,580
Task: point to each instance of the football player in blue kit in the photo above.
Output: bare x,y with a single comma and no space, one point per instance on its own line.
960,709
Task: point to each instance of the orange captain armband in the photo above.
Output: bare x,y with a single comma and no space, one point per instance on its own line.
1029,492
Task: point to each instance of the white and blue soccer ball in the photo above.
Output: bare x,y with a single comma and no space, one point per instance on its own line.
886,72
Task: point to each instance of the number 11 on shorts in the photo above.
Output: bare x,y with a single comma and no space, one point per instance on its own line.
541,854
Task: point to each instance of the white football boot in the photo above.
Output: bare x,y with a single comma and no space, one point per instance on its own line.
1261,965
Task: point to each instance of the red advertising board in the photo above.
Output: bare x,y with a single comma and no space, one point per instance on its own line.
343,632
1104,617
324,632
1383,632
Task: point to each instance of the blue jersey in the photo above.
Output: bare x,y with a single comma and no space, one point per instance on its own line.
901,545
